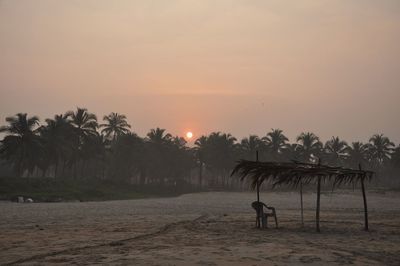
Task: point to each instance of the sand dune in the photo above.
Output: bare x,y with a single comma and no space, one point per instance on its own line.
213,228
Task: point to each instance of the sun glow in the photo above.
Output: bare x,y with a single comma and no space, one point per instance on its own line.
189,135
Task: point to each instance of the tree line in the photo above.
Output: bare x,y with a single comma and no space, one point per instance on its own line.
75,145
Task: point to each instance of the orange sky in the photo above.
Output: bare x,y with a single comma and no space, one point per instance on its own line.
331,67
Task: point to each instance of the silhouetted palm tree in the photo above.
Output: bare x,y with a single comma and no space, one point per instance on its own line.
22,146
357,154
380,148
94,152
179,160
158,136
309,145
84,125
179,142
200,147
292,152
56,136
395,160
220,153
116,125
276,142
335,149
72,142
250,146
158,142
128,157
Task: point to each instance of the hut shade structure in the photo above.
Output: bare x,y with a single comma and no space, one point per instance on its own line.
295,174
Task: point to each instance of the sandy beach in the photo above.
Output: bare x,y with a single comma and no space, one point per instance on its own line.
214,228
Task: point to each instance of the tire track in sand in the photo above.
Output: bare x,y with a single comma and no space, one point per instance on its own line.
163,229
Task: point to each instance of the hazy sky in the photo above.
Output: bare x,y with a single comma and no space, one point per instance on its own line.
245,66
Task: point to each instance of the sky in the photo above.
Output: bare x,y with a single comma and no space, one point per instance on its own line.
331,67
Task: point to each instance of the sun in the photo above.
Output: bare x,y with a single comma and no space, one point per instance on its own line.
189,135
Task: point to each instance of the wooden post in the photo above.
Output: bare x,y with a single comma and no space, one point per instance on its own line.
318,203
365,202
301,202
258,183
260,212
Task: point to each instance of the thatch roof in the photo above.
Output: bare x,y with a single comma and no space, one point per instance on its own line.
293,173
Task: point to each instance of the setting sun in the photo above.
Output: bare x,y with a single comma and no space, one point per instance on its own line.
189,135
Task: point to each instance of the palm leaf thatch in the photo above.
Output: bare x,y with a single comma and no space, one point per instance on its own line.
293,173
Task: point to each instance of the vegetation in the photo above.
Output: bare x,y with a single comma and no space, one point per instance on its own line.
75,147
52,190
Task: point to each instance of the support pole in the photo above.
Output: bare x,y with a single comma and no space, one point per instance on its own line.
258,183
259,212
301,203
318,203
365,202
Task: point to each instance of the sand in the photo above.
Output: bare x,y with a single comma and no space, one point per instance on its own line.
215,228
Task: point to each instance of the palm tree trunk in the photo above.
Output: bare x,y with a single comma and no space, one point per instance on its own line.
142,177
318,203
75,169
19,171
201,174
83,168
44,170
103,170
19,168
63,168
301,203
55,169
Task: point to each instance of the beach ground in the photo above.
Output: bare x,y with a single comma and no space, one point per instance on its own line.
213,228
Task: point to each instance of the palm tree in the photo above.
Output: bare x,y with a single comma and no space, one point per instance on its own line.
200,147
335,149
57,141
251,145
201,143
115,126
179,160
157,148
357,154
128,157
395,160
84,125
380,149
309,145
220,153
22,146
276,142
94,151
179,142
158,136
292,152
169,158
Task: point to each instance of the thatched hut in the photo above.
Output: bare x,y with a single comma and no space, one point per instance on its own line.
296,174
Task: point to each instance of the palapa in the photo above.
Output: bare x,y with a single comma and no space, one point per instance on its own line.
296,173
